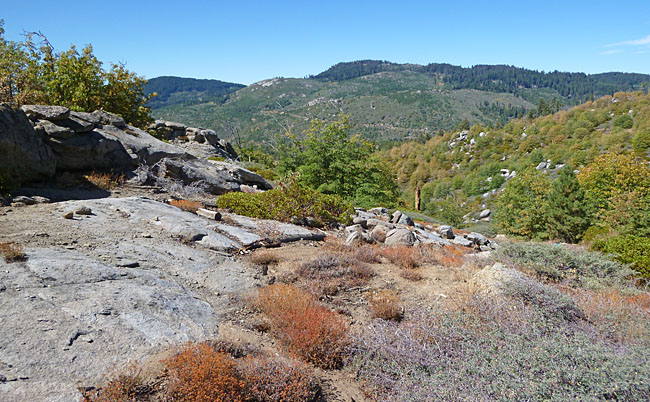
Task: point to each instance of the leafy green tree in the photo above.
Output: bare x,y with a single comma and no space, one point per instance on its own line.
641,141
521,207
624,121
568,214
32,72
332,161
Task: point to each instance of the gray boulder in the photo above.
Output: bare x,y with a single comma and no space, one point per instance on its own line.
46,112
379,211
477,239
371,223
24,157
53,130
378,233
461,241
405,220
175,126
109,119
427,237
93,150
400,237
485,214
110,147
218,177
446,231
396,216
76,124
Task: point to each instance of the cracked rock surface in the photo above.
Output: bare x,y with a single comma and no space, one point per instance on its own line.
120,284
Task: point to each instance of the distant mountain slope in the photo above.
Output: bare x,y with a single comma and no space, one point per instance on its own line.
386,101
471,163
178,90
576,87
386,106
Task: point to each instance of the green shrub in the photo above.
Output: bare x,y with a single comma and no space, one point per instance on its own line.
628,249
624,121
570,266
291,202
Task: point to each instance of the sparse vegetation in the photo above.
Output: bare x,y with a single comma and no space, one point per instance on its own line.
569,266
201,373
385,304
12,252
459,356
187,205
105,181
308,330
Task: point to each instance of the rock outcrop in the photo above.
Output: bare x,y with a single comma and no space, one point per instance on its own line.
399,229
134,277
23,154
198,141
64,140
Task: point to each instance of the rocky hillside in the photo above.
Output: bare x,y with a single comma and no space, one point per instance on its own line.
393,102
467,164
39,142
132,284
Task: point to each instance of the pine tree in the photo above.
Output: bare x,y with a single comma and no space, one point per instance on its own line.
567,210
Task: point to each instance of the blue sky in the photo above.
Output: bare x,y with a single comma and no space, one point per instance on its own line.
247,41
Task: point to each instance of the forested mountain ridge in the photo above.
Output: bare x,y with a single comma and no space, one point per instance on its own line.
576,87
177,90
386,101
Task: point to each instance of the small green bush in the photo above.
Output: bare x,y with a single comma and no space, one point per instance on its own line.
291,202
628,249
624,121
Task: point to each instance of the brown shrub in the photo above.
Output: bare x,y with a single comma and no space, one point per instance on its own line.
186,205
403,256
278,379
12,252
330,272
105,181
201,373
411,275
367,254
385,304
265,257
308,330
448,256
624,318
124,386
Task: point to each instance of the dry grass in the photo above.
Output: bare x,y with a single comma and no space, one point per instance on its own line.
186,205
328,273
403,256
105,181
385,304
12,252
308,330
623,318
367,253
122,386
412,275
265,257
277,379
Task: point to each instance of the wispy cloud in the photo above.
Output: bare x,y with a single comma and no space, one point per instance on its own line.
613,51
636,42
